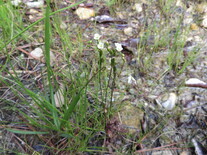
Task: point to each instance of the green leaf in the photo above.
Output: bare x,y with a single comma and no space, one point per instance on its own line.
26,132
71,107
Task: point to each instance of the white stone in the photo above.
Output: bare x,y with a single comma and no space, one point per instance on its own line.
194,81
204,22
187,20
179,3
33,11
162,152
85,13
138,7
37,4
131,80
197,146
197,38
63,25
169,104
37,53
16,2
128,31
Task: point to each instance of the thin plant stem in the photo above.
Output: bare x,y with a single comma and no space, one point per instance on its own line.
47,57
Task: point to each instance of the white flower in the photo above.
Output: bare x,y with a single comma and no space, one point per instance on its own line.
118,47
100,45
97,36
16,2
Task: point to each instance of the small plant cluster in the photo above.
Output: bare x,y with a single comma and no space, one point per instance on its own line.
76,119
103,49
68,122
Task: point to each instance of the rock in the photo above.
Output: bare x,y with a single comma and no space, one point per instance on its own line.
121,15
16,2
138,7
33,11
164,152
197,39
199,148
192,81
133,43
37,4
108,19
31,18
63,25
204,22
190,105
34,14
194,27
85,13
128,31
201,8
131,80
169,104
130,116
185,153
187,20
37,53
104,19
179,3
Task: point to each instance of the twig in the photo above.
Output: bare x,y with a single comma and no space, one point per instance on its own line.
197,85
29,45
24,51
159,148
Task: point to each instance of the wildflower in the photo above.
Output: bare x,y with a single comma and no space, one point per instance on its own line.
97,36
100,45
118,47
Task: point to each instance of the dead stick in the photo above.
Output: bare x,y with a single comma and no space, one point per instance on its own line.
197,85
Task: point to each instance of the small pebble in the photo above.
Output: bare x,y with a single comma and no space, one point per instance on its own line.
37,4
63,25
194,81
204,22
138,7
85,13
201,8
16,2
37,53
194,27
128,31
33,11
169,104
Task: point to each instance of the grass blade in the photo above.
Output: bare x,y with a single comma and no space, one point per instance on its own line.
26,132
47,57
